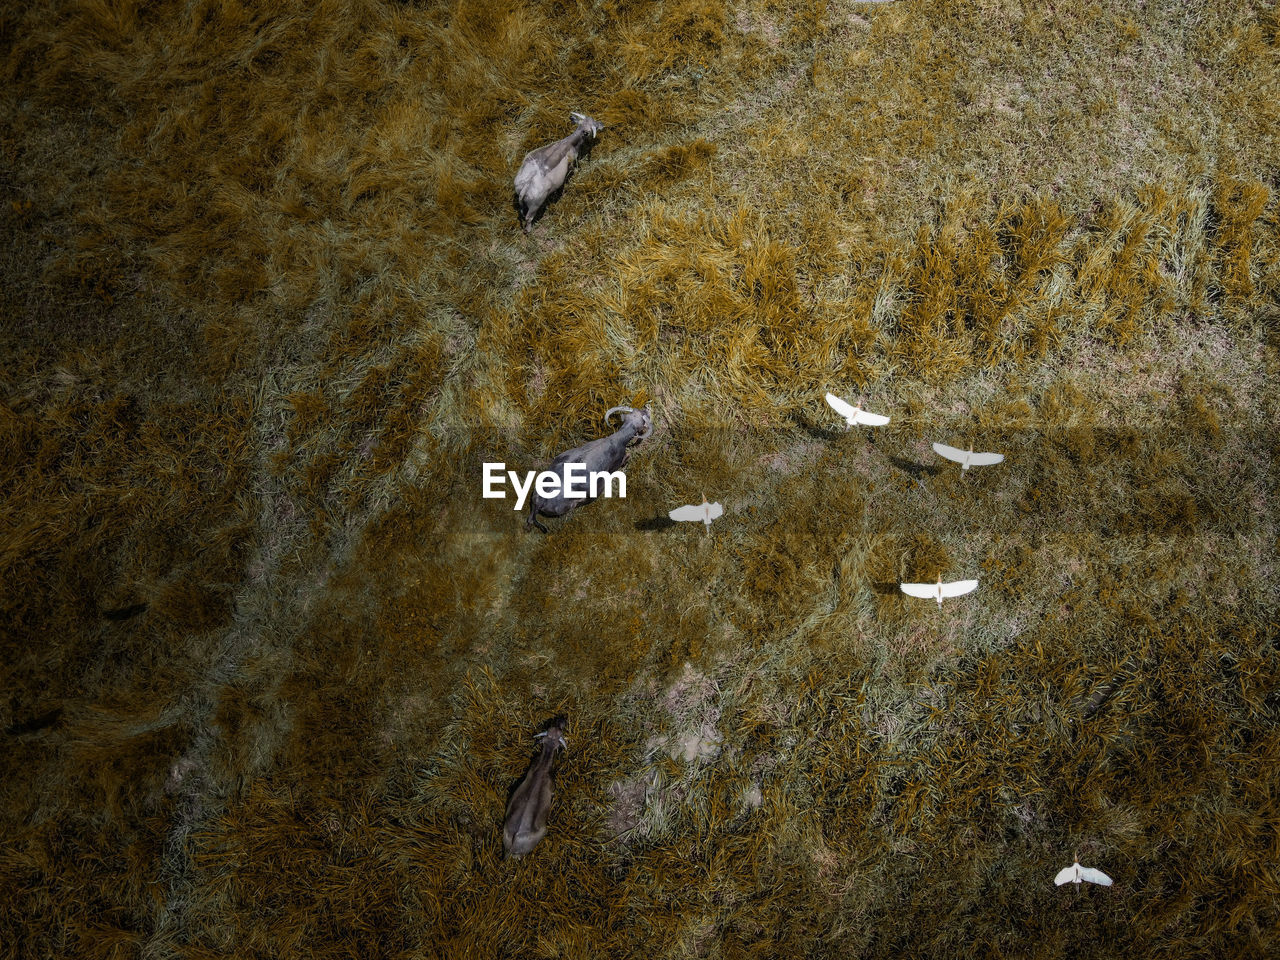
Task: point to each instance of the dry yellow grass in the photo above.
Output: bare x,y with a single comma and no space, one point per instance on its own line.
272,663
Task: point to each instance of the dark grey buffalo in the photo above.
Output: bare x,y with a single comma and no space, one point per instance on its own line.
544,170
527,809
599,456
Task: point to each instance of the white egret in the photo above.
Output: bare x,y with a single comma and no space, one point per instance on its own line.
706,512
967,458
936,591
1078,874
855,415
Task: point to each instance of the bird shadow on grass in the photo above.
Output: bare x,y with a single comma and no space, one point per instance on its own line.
827,434
917,471
36,724
880,588
651,524
125,613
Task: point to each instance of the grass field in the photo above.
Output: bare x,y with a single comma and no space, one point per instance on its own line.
272,665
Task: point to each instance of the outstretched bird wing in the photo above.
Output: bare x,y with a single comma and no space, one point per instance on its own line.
959,456
1095,876
872,419
1068,875
697,511
984,459
692,512
853,414
845,410
959,588
926,591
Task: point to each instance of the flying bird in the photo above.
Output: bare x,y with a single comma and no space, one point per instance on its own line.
967,458
936,591
706,512
855,415
1077,874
